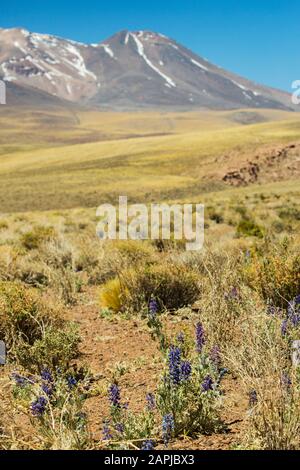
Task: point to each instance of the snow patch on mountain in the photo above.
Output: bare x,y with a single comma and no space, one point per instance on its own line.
108,50
199,65
78,62
17,45
8,77
242,87
140,49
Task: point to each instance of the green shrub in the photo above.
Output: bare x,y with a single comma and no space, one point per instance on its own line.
249,228
218,218
56,348
241,210
275,274
290,213
172,286
278,226
38,235
3,225
54,401
65,282
23,315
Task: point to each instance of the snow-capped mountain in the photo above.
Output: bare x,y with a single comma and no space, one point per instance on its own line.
128,70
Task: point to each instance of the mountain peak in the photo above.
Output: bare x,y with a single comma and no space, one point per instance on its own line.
138,68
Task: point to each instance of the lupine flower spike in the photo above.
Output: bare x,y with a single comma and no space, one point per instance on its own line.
168,427
114,395
200,337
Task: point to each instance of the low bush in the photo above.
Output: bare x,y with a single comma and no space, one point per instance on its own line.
3,225
38,235
55,401
216,217
125,429
8,262
290,214
249,228
187,400
24,316
275,273
56,348
173,286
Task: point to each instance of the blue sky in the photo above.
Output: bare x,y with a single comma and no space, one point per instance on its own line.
258,39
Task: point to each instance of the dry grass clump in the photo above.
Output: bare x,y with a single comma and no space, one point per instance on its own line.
33,239
263,363
274,272
23,314
34,330
9,257
55,348
110,296
172,285
223,294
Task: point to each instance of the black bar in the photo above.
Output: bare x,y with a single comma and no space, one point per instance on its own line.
134,459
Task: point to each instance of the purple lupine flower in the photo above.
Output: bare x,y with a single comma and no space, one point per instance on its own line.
119,427
47,385
207,384
284,327
168,427
253,398
295,320
71,382
200,337
106,432
147,445
150,398
114,395
38,407
180,337
174,364
215,356
20,380
153,308
185,370
46,375
47,389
